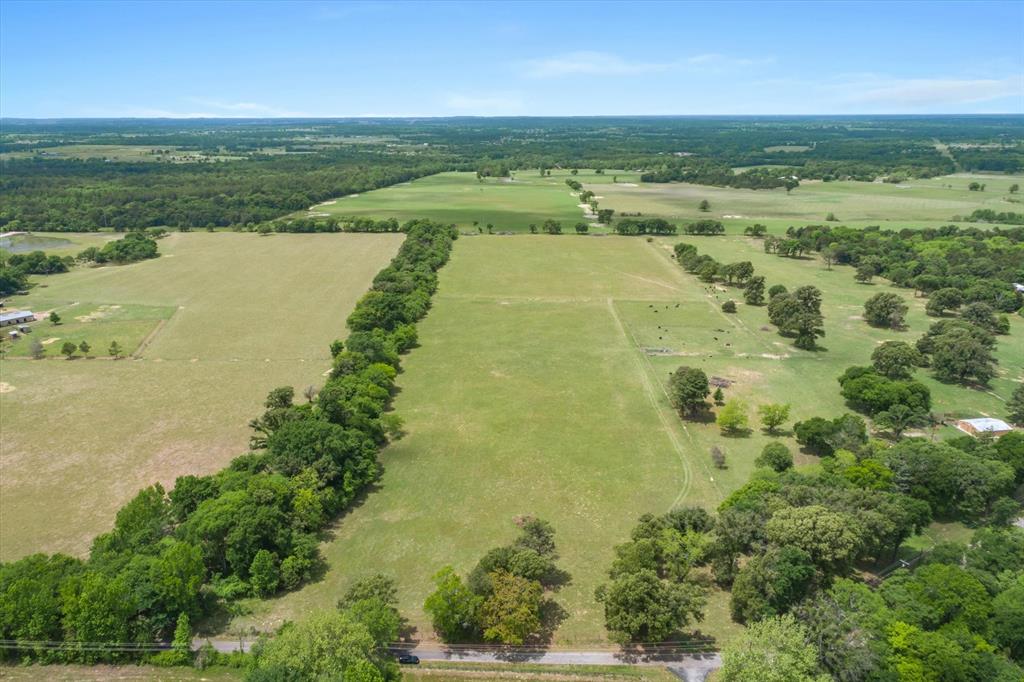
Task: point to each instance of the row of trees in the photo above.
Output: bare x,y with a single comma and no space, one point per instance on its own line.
251,528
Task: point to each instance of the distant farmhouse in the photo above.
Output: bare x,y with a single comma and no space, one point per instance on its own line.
16,317
987,425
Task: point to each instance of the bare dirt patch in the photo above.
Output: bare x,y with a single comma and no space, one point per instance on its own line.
5,387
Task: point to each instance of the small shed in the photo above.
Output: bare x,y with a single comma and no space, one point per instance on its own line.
988,425
16,317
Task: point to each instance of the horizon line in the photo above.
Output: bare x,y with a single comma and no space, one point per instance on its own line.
364,117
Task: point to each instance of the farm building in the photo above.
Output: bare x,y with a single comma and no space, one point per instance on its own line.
996,427
16,317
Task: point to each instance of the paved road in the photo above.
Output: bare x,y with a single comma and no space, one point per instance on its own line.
690,667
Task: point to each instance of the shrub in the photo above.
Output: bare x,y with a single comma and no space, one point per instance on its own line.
775,456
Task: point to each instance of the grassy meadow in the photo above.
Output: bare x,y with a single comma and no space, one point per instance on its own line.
510,205
225,318
536,391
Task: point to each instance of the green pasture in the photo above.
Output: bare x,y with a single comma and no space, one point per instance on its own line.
537,390
228,317
114,152
118,152
511,205
915,203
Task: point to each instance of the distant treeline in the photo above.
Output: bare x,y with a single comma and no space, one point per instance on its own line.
66,195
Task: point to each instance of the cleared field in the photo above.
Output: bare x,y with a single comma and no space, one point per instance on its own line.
230,316
916,203
510,205
531,393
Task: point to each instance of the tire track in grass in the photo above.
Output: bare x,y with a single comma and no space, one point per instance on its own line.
668,420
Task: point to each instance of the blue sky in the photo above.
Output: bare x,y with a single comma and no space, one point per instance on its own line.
260,59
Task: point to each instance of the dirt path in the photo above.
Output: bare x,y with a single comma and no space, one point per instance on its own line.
944,150
137,353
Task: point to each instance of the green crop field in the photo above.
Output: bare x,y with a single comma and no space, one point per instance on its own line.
225,318
510,205
535,391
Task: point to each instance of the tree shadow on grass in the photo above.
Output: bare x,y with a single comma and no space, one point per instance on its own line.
778,433
703,416
556,579
552,615
694,644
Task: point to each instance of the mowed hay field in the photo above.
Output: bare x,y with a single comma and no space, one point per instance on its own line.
532,393
226,317
914,203
459,198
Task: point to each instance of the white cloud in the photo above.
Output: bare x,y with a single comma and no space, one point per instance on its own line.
245,109
721,61
485,104
607,64
930,92
198,108
588,63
